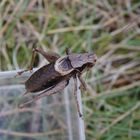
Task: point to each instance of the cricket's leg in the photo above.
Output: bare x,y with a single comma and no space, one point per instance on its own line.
68,51
52,90
30,68
75,94
25,93
50,56
83,84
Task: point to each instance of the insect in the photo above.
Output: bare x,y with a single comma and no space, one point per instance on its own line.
54,77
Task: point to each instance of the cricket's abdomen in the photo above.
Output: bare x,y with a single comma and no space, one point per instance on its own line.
43,78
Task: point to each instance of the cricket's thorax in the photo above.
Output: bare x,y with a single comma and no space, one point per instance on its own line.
67,64
63,66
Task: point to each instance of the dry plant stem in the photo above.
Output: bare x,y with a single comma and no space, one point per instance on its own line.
121,117
122,45
124,28
31,4
71,29
91,27
125,80
59,120
34,110
34,31
11,18
34,126
30,135
18,110
79,28
114,92
122,71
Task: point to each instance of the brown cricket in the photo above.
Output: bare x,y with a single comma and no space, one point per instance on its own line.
54,77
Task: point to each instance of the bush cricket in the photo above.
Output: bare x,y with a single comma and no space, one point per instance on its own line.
54,77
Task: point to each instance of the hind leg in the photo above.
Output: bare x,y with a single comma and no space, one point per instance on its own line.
30,68
50,56
68,52
52,90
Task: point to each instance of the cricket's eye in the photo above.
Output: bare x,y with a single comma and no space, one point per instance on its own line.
95,58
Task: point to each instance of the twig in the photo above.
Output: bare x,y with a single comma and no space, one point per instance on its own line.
112,93
18,110
24,134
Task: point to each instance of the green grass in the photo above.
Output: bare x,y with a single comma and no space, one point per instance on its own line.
108,28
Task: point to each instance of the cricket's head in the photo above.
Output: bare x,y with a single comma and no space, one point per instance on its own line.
83,59
90,59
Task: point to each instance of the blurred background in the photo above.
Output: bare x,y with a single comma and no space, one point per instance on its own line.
109,28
